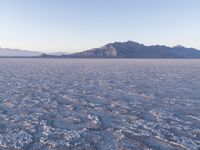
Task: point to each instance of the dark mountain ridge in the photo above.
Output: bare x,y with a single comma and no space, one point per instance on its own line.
132,49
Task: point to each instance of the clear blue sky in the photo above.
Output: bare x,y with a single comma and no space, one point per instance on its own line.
74,25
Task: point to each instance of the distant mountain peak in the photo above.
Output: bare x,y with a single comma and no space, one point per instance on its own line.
178,46
131,42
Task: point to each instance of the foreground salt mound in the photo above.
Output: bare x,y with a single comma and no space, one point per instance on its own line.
15,139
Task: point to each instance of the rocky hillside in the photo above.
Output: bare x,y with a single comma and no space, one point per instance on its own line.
132,49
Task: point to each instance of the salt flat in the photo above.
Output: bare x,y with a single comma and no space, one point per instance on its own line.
99,104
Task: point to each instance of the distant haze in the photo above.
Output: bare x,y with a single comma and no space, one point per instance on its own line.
71,26
17,52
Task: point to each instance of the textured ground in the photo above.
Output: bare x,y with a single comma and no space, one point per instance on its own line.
99,104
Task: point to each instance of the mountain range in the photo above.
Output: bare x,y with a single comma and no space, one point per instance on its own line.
127,49
132,49
7,52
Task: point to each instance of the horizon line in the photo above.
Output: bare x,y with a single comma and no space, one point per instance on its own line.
74,51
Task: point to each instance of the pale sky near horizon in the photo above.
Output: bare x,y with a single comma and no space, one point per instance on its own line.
75,25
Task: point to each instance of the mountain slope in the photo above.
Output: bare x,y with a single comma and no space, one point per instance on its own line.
132,49
6,52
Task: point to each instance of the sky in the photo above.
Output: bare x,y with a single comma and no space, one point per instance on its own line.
76,25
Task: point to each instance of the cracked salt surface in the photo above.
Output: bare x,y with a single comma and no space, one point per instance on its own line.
53,104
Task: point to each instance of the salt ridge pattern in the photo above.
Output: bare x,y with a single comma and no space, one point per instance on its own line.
53,104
